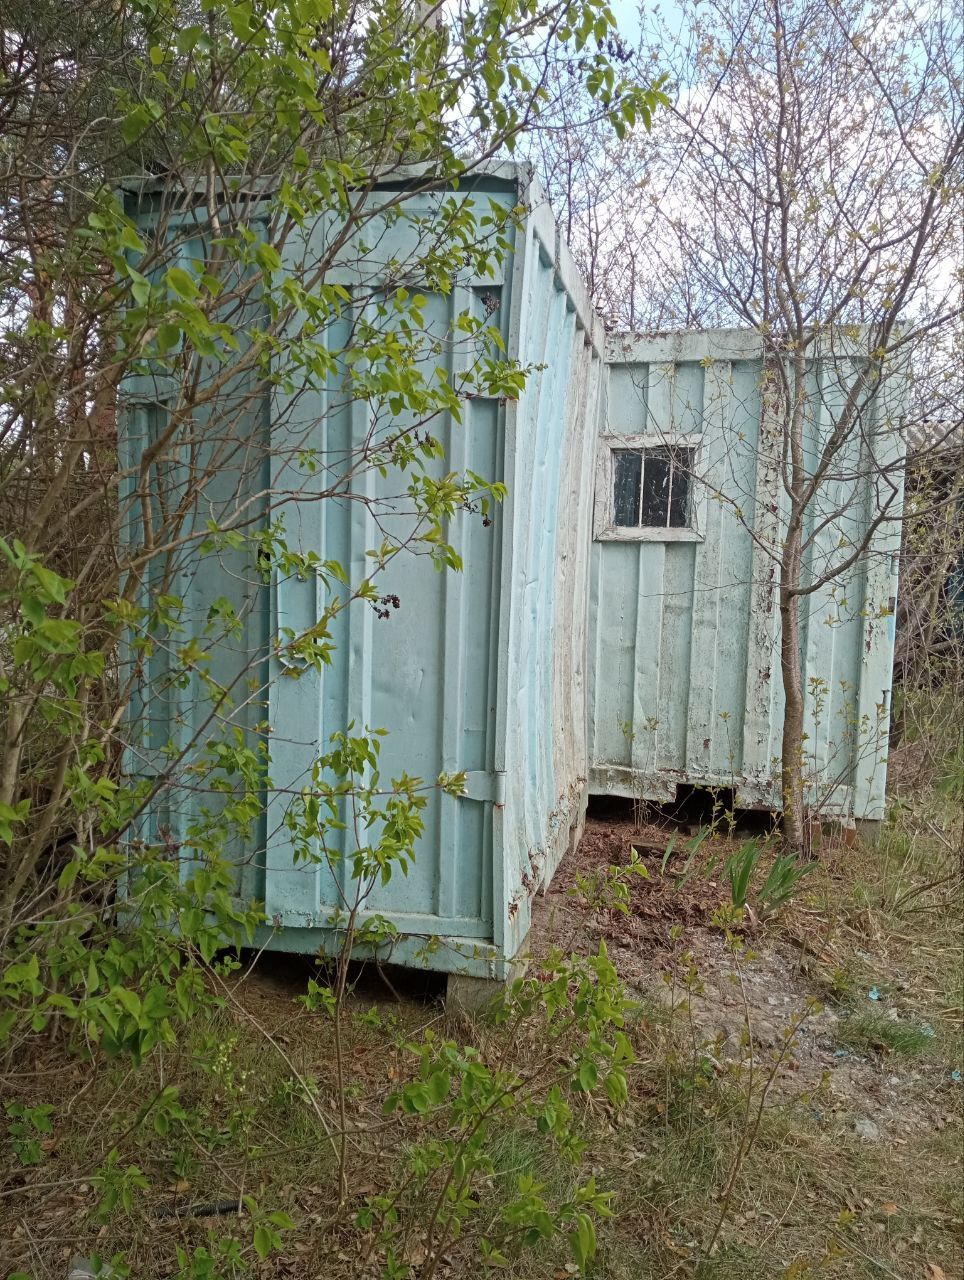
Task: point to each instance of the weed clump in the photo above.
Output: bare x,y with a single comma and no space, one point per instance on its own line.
876,1033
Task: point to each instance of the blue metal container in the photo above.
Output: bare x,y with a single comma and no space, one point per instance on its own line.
482,670
685,620
571,654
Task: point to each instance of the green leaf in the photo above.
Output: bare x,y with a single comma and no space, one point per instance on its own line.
23,971
616,1088
129,1000
52,583
583,1239
181,283
438,1086
168,336
588,1075
263,1241
138,120
140,286
69,874
32,610
268,257
11,815
186,40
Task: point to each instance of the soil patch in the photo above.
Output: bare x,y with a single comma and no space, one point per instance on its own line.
788,973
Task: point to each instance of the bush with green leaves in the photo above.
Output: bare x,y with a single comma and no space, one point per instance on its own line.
573,1016
357,122
118,914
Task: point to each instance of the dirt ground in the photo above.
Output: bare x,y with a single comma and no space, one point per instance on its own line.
790,965
857,1170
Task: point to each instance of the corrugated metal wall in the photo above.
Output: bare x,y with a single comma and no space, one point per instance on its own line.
551,435
171,722
685,652
425,673
486,671
482,670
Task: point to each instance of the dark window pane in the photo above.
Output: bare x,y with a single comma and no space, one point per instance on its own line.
679,503
628,469
656,488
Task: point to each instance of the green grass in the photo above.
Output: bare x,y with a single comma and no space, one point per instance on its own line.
517,1152
875,1033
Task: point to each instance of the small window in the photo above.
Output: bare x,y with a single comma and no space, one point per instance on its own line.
651,487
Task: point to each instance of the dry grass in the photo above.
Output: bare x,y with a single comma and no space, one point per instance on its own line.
810,1197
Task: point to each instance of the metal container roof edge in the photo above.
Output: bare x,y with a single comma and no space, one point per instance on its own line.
507,171
518,173
677,346
615,347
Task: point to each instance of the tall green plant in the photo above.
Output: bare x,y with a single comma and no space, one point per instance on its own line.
187,319
282,142
778,885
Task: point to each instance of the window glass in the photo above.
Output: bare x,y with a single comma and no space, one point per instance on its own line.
651,487
656,478
679,499
627,472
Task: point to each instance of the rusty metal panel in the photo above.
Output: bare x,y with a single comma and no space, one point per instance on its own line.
685,623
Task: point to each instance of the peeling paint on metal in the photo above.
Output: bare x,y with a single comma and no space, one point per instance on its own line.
685,634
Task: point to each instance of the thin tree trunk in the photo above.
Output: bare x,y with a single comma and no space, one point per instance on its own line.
791,753
791,658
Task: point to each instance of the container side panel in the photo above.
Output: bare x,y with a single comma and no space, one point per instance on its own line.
685,624
306,460
882,454
414,663
570,693
204,476
616,596
553,430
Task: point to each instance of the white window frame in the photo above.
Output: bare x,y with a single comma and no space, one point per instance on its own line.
605,528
